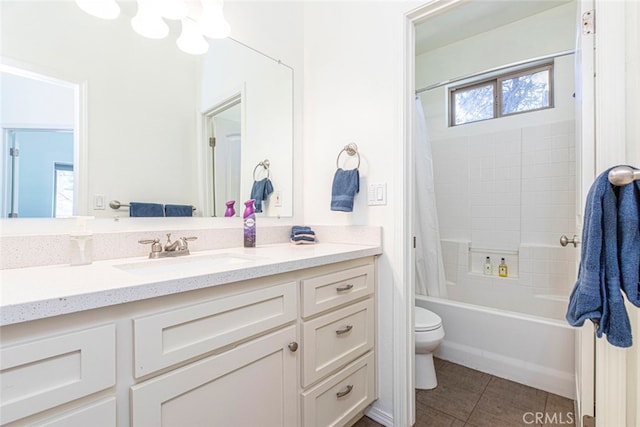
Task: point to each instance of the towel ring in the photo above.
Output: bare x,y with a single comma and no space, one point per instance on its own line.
265,164
350,149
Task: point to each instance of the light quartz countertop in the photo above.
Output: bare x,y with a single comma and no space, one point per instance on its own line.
40,292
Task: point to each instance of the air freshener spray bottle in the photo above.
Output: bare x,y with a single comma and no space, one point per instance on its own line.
230,209
249,224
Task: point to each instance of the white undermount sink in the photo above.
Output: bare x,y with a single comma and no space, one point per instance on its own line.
185,264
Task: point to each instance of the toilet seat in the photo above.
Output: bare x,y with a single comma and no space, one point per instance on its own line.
426,320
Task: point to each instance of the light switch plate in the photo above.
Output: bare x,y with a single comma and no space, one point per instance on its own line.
377,194
99,202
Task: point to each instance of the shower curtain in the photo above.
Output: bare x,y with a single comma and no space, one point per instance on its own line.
429,275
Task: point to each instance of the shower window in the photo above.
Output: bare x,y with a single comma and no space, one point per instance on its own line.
510,93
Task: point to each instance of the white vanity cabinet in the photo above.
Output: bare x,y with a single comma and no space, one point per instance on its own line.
288,349
338,338
48,371
249,382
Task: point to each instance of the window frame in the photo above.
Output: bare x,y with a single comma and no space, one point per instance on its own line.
496,81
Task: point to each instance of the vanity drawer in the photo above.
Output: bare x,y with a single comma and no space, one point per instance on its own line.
324,292
165,339
335,339
51,371
336,400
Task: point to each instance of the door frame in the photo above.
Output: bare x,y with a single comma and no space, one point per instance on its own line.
603,154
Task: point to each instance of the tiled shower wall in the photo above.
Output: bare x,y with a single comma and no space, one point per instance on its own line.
511,191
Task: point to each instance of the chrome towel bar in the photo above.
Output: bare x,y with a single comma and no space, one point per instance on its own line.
115,205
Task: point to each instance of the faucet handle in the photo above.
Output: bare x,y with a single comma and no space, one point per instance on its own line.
188,239
156,247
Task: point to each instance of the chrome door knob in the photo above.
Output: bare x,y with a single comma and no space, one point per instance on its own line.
564,240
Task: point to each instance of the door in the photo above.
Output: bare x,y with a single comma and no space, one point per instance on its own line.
585,153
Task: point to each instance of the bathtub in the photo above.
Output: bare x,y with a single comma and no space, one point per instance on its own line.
528,349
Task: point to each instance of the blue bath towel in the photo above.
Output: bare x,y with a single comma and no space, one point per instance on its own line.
597,294
629,240
138,209
260,191
346,183
178,210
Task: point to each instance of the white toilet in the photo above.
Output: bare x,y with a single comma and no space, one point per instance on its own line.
429,333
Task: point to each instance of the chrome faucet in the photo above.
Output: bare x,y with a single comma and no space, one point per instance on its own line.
178,247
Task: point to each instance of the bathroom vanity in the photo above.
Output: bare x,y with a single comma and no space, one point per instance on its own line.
278,335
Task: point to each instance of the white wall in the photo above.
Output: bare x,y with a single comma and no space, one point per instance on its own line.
354,92
27,103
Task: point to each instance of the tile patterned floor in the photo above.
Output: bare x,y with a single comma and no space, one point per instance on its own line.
468,398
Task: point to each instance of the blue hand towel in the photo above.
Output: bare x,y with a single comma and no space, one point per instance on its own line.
303,237
596,294
260,191
178,210
346,183
139,209
629,240
298,229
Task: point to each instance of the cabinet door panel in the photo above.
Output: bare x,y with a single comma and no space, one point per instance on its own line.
252,385
48,372
331,290
99,414
333,340
164,339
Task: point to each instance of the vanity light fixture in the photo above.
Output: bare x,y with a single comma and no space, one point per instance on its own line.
191,39
105,9
212,22
148,22
198,20
173,9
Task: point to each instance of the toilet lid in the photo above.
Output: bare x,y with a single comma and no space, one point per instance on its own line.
426,320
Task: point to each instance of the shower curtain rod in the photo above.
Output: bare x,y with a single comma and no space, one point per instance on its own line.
492,70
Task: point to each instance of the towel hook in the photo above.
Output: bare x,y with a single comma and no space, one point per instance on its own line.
352,150
623,175
265,164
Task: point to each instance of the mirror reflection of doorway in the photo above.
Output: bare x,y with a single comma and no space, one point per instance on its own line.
40,173
39,176
224,133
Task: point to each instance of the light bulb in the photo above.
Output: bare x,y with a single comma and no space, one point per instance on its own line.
148,22
212,22
191,40
173,9
105,9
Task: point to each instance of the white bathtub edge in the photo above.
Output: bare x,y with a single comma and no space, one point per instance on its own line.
536,376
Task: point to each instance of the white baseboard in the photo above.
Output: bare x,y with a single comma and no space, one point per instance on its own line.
379,416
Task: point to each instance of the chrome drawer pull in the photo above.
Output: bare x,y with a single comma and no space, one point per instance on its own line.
293,346
345,392
344,330
343,288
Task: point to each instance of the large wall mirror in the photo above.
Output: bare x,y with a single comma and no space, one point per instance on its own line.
139,115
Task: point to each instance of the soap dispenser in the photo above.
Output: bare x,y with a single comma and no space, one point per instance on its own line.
249,224
488,269
503,269
81,245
